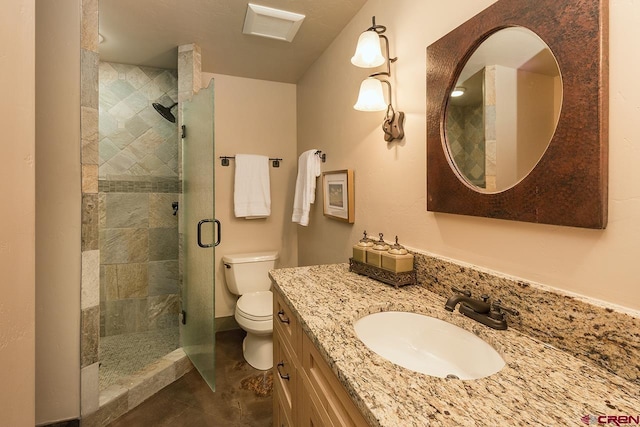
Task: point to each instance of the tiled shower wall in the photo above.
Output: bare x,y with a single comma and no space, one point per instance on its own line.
136,143
138,182
465,133
491,143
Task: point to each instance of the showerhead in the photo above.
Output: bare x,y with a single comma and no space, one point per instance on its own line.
165,111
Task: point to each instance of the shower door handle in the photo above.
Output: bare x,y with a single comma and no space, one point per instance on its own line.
218,232
203,245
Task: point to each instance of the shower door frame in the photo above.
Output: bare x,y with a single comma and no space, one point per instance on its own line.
197,329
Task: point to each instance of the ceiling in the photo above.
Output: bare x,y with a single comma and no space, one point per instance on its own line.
147,32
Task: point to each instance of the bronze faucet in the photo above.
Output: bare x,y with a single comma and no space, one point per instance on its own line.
480,310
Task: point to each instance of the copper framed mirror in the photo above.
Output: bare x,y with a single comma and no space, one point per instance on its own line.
565,182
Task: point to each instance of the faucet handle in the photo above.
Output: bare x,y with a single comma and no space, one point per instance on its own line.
464,292
497,306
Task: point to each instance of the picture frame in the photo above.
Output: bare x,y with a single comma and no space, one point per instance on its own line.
338,195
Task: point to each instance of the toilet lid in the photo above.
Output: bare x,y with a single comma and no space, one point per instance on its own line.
256,304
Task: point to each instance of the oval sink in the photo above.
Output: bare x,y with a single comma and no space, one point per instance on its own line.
428,345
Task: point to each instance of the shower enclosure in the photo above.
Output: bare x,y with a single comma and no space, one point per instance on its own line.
200,235
139,189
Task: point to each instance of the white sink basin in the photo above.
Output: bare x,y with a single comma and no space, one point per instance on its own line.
428,345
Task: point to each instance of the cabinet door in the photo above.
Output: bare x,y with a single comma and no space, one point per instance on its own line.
310,415
287,324
285,377
333,397
281,415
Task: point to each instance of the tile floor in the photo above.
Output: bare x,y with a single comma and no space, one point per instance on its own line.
123,355
242,397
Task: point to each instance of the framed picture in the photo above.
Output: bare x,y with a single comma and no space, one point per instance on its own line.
337,189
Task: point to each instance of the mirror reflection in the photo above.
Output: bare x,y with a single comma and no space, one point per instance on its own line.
503,110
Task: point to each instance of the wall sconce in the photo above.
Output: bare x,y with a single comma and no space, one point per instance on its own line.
371,98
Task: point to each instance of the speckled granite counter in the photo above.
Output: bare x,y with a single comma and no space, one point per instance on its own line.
540,385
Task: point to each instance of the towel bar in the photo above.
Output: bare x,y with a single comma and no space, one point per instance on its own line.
275,162
224,160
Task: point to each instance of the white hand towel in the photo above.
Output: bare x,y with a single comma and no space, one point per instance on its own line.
305,195
251,195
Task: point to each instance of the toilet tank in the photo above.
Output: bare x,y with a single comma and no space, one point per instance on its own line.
249,272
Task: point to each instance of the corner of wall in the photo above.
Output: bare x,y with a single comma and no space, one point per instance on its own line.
17,228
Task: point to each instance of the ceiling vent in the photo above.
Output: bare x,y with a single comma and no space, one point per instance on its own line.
271,23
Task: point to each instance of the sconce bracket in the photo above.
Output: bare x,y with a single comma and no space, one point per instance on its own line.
375,27
393,127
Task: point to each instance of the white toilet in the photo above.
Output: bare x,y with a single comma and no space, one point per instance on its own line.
247,276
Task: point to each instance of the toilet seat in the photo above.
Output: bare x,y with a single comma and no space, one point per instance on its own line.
256,306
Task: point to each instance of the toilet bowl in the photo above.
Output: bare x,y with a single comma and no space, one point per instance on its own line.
247,276
254,314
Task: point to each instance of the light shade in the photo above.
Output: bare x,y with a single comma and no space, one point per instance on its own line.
371,97
458,91
368,53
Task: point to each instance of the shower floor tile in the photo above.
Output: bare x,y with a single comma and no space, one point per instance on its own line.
242,397
124,355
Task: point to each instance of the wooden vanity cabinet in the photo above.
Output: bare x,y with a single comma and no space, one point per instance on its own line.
285,381
306,391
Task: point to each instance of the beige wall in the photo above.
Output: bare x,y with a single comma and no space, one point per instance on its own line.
506,79
254,117
390,178
58,211
537,107
17,218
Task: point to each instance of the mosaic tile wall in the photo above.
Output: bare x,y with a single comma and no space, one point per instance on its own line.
465,134
138,182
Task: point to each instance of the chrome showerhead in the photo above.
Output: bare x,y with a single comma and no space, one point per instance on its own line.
165,111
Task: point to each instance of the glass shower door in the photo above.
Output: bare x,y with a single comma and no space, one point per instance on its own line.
199,233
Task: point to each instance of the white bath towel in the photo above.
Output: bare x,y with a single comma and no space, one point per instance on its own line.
308,171
251,195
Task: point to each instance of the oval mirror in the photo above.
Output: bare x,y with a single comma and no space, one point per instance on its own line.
503,110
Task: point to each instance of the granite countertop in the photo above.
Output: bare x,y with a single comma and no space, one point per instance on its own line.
540,385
